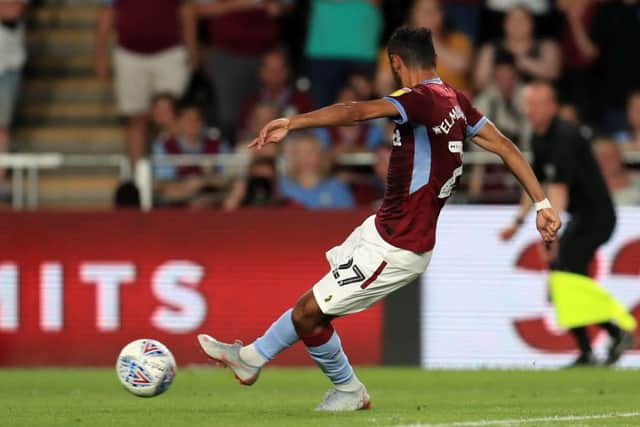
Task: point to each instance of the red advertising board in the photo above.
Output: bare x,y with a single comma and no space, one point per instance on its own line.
76,287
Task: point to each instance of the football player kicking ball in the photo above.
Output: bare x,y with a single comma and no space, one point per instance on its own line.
393,247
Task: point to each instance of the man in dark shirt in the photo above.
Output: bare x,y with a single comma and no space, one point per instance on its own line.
563,159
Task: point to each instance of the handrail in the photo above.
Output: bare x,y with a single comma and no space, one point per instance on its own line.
32,163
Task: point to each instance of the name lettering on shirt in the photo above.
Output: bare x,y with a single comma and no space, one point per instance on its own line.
448,122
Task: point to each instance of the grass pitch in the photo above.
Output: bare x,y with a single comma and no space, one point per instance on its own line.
286,397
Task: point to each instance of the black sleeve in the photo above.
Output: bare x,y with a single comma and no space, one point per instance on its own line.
598,29
565,156
538,169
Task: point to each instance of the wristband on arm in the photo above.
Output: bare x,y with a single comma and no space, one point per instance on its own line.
544,204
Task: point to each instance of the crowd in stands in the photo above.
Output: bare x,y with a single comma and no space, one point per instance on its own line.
208,74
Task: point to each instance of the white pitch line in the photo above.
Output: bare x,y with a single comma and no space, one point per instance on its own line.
518,421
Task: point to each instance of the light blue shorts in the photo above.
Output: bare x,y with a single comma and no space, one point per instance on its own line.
9,87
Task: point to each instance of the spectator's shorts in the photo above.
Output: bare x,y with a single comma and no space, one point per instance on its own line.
138,78
365,269
9,87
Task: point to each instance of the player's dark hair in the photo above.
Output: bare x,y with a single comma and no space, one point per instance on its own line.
414,45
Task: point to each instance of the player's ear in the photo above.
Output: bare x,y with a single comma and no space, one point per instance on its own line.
396,62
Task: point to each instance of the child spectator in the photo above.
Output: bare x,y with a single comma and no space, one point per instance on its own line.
308,182
163,117
190,185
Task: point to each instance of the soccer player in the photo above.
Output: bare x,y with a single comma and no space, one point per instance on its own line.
563,159
393,247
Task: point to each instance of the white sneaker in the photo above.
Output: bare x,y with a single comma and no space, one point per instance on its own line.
336,400
229,355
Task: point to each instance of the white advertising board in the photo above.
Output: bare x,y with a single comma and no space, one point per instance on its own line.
484,302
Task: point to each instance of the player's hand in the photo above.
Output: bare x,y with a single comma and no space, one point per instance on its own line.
274,132
548,224
508,232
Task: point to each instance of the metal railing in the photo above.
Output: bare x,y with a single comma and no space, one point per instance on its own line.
26,168
30,165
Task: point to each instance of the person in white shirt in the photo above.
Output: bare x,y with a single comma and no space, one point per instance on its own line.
12,58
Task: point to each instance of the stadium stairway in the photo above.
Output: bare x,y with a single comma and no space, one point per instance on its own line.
64,109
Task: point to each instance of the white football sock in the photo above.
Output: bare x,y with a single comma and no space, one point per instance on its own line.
352,385
251,356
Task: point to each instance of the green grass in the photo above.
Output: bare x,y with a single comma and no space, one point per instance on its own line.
286,397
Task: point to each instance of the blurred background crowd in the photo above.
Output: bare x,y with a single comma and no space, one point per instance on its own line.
185,85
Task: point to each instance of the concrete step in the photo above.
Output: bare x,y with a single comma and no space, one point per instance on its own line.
58,114
70,139
64,90
60,66
76,41
60,16
80,190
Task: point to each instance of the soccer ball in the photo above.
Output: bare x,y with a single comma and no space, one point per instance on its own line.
146,367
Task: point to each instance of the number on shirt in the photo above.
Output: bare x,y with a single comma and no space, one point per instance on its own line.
348,273
450,185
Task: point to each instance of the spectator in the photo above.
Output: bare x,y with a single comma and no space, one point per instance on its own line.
495,11
308,182
12,58
577,76
535,59
624,186
163,117
614,32
343,40
127,196
257,189
276,89
368,190
155,45
465,15
240,32
630,138
364,137
501,102
454,48
190,185
263,113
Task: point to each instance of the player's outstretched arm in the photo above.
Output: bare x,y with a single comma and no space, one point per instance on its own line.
343,114
491,139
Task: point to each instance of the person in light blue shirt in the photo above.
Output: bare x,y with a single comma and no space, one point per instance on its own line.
308,183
